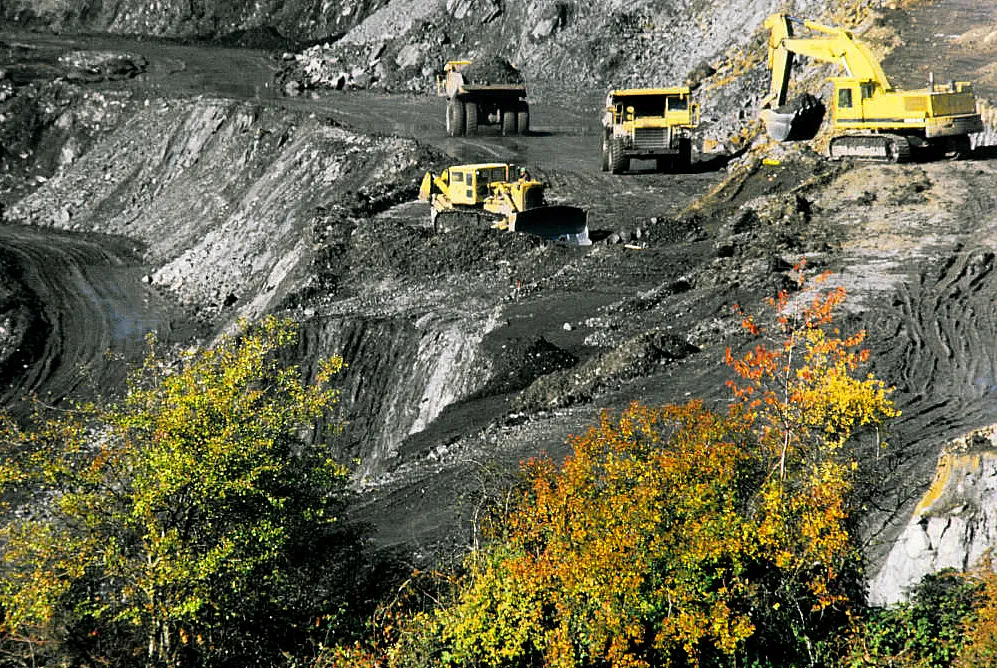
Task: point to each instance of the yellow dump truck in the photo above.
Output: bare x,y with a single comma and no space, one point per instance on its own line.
648,124
484,92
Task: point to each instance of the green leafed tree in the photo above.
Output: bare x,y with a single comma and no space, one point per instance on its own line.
192,522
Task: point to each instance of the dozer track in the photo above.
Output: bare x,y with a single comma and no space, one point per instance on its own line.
878,147
454,219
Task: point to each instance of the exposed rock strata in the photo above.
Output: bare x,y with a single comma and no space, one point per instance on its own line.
955,523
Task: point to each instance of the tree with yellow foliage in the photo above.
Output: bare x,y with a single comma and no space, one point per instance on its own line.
679,535
190,523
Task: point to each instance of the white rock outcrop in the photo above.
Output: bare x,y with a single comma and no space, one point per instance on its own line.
955,523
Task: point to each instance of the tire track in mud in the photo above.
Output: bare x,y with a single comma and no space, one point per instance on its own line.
936,342
93,304
946,328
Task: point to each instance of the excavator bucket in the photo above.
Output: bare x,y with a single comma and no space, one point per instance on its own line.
800,120
558,222
426,187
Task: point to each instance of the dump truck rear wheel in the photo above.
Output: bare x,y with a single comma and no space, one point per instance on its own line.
685,154
958,148
618,161
471,117
523,119
508,122
456,123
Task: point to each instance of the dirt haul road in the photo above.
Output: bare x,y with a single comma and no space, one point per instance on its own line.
81,309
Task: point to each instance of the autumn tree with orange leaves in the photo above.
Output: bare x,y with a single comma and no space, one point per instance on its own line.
681,535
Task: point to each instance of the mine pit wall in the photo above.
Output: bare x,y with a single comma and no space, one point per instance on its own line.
955,523
260,175
247,242
402,371
245,239
299,19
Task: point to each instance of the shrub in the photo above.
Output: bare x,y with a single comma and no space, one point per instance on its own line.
191,523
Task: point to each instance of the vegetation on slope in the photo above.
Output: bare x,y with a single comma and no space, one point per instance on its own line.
193,523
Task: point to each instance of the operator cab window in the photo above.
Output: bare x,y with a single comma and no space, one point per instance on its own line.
867,89
845,98
458,177
678,104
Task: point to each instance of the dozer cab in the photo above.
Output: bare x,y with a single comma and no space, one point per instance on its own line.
869,118
489,91
503,197
648,124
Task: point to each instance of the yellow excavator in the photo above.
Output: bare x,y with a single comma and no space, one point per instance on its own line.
869,118
503,196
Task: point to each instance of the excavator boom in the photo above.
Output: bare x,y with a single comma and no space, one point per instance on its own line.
835,46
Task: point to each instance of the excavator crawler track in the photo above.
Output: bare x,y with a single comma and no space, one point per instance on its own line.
877,147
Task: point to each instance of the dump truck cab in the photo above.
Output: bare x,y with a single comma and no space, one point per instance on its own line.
648,124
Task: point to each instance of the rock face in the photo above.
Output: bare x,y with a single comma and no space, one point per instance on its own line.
954,524
300,19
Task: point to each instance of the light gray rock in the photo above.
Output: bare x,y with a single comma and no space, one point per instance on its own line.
953,526
411,55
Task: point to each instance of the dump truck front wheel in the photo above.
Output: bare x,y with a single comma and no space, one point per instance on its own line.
471,117
605,152
685,154
456,119
618,161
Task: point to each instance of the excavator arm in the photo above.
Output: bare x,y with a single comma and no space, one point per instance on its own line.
833,45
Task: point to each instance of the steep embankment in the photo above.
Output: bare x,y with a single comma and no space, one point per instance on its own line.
954,524
231,201
221,192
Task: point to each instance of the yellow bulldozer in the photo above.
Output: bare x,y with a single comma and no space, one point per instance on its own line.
869,118
504,197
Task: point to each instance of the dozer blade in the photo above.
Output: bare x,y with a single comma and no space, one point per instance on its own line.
558,222
799,120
